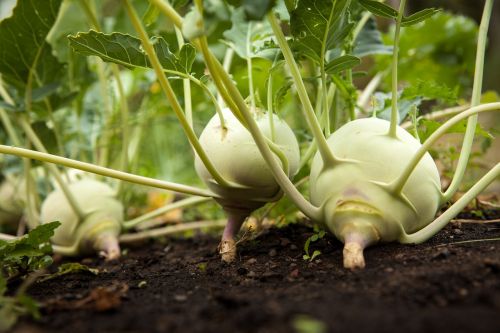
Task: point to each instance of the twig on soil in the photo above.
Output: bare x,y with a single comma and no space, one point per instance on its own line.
168,230
470,241
475,221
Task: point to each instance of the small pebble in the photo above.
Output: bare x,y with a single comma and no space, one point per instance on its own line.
251,274
251,261
293,247
457,231
273,253
180,298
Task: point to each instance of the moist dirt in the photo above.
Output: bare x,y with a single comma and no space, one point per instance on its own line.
181,285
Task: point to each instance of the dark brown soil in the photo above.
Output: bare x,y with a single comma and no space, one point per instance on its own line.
182,286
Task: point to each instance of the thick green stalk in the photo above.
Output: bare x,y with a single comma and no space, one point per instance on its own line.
226,64
475,100
165,209
394,100
217,73
249,69
442,220
324,150
167,89
398,184
270,106
186,85
106,172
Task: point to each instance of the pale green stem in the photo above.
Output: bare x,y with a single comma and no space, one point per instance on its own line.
308,155
414,118
249,68
326,154
365,95
6,237
169,93
398,184
475,100
394,100
35,140
226,64
124,111
218,76
55,129
165,209
103,155
188,106
325,115
7,124
204,87
270,106
169,11
106,172
30,205
442,220
67,251
361,23
169,230
439,114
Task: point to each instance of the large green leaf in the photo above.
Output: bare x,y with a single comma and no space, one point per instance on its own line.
342,63
24,48
369,41
126,50
319,26
248,38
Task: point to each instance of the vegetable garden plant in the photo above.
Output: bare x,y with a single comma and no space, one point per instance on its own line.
369,179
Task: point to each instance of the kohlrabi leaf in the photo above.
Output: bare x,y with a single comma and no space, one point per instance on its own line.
418,16
254,9
342,63
71,267
151,14
431,90
247,38
384,10
441,49
28,253
25,52
383,105
427,127
379,8
319,25
126,50
369,41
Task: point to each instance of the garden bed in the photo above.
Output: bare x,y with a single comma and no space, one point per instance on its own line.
182,286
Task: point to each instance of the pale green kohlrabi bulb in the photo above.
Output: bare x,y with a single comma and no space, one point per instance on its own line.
356,206
100,228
